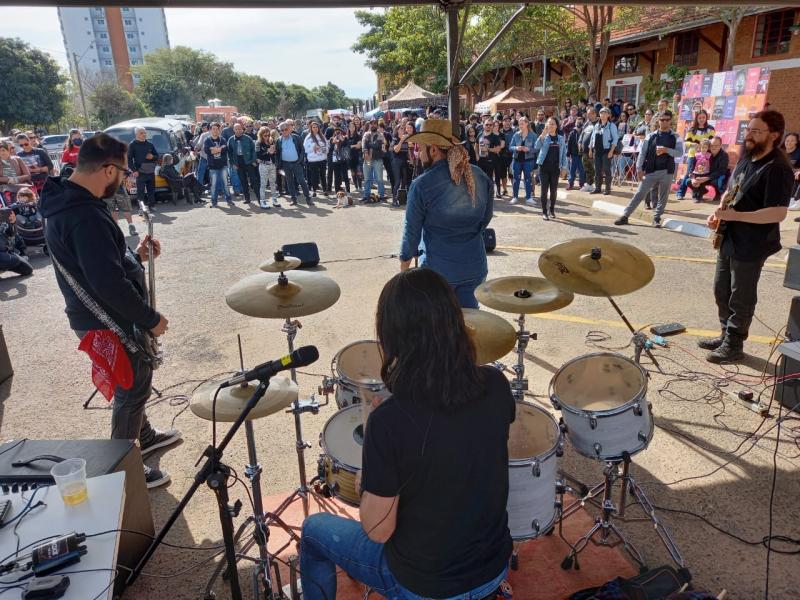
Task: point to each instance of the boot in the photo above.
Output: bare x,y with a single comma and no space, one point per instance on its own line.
711,343
729,352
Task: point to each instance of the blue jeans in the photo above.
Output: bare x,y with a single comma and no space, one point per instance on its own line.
465,291
523,167
718,183
373,173
235,183
576,166
202,167
329,541
218,184
294,178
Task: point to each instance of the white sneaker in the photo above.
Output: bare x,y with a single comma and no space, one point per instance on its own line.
587,188
514,201
530,202
794,205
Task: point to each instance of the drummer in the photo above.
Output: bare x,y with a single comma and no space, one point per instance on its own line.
428,527
449,207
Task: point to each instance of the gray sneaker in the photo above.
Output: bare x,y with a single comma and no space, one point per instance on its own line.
161,439
154,478
132,229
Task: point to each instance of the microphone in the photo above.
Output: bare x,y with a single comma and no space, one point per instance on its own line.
299,358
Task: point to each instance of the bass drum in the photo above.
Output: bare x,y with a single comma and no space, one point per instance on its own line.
602,399
534,445
342,439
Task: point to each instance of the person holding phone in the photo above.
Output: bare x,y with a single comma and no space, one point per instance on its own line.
551,156
268,174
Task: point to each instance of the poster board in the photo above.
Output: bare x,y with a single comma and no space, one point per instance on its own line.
730,98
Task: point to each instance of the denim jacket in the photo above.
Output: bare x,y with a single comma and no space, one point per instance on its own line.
541,149
529,143
443,223
610,135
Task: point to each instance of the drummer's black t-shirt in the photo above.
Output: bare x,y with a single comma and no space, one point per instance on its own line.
450,470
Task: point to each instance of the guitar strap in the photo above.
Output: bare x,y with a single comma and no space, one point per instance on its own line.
743,182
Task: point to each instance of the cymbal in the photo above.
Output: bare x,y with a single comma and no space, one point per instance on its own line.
494,337
279,296
231,401
597,267
273,265
522,295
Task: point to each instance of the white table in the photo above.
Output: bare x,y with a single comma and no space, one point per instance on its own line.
102,511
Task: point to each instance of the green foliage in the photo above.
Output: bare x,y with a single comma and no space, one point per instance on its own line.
112,103
32,87
570,87
331,96
653,89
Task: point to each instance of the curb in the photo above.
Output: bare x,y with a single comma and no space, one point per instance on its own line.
687,227
608,207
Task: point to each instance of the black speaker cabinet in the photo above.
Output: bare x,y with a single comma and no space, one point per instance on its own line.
102,457
307,252
788,392
489,239
791,278
5,360
793,325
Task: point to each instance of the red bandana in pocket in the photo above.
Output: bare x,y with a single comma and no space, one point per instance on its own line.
111,366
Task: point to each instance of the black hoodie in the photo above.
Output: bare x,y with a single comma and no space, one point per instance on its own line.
83,237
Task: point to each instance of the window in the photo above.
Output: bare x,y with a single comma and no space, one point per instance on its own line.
627,92
103,36
129,36
145,47
627,63
128,22
106,49
686,46
85,18
126,10
107,63
101,21
132,49
772,32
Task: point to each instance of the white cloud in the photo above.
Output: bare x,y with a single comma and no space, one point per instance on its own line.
305,46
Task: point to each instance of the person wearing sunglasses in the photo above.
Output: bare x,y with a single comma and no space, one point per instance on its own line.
88,245
37,160
656,160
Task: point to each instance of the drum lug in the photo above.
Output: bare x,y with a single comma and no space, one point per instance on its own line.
535,526
334,487
593,422
562,426
650,406
597,448
560,449
334,469
555,402
642,436
536,469
637,409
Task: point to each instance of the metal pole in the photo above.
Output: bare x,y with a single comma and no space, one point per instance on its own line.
80,89
452,82
492,44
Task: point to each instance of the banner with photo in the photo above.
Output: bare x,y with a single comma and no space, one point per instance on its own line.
730,98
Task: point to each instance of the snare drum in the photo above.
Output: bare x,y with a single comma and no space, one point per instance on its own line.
602,399
357,371
534,444
342,439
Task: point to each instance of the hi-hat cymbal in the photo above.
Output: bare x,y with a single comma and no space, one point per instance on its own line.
494,337
597,267
231,401
279,296
274,265
522,295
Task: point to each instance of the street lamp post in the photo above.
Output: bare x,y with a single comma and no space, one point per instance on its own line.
76,61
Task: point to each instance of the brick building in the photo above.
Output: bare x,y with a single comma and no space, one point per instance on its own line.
695,38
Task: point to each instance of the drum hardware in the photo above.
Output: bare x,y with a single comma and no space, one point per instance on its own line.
639,340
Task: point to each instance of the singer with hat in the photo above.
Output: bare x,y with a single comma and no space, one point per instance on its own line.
448,208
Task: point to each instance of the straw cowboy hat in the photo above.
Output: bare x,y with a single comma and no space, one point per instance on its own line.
435,132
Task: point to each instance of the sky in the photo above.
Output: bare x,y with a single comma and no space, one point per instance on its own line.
305,46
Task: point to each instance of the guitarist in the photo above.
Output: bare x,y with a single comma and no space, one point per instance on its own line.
748,217
88,244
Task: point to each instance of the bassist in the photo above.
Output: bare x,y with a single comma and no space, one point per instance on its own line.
748,219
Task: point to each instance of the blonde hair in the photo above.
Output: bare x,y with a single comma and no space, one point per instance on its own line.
261,133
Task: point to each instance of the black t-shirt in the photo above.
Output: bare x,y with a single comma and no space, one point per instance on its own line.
450,470
770,186
552,159
36,157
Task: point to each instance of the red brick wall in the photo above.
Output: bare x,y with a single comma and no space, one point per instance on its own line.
744,44
782,95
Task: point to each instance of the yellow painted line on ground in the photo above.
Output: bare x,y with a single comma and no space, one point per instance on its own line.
691,259
759,339
539,218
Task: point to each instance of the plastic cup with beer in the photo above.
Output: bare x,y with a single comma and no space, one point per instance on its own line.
70,477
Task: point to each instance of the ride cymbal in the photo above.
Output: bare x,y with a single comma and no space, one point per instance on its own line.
522,295
282,296
494,337
231,400
597,267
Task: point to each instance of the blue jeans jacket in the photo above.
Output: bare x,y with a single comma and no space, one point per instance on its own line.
443,222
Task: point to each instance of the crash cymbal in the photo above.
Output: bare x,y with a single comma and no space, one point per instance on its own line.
280,263
597,267
231,401
282,296
522,295
494,337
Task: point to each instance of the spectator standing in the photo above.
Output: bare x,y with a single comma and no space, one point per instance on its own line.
70,154
268,174
471,145
36,159
601,147
315,145
242,159
507,132
142,161
574,155
551,157
700,130
289,151
386,131
791,144
339,156
354,137
522,145
202,163
374,147
400,161
657,161
583,147
216,148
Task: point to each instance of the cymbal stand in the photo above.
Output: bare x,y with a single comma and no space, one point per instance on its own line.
639,339
519,384
603,524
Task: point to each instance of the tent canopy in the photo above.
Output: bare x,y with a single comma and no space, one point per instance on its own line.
516,98
412,96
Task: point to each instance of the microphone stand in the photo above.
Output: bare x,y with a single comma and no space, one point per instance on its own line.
215,474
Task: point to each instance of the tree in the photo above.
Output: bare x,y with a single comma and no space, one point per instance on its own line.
255,96
32,88
112,103
175,80
732,17
330,96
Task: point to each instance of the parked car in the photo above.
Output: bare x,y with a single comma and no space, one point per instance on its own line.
54,143
167,135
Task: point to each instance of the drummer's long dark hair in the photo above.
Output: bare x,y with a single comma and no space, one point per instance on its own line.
426,353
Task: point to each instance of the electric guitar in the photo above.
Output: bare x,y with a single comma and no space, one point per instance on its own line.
729,199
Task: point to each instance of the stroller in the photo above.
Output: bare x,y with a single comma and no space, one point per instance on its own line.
30,224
